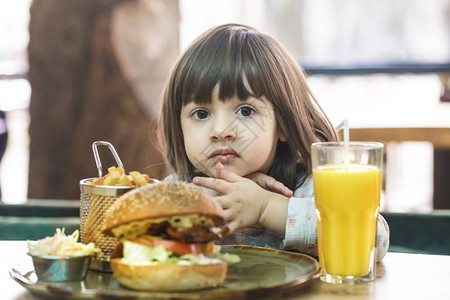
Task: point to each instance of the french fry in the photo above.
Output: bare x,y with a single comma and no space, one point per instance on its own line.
118,177
99,181
119,169
124,181
138,178
113,177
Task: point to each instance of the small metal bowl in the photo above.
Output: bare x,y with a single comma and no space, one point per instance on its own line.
51,268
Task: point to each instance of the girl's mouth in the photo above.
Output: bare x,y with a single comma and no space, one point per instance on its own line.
223,155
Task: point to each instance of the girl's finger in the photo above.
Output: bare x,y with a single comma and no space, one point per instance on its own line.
223,201
228,215
229,219
225,174
281,188
232,226
215,184
287,192
271,184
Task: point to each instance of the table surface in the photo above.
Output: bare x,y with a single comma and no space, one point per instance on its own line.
399,276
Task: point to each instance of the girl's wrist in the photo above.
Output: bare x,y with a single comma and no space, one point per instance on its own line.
274,213
264,198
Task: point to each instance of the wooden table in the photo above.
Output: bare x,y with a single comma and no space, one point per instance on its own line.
399,276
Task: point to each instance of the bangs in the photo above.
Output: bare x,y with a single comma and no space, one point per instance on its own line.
224,60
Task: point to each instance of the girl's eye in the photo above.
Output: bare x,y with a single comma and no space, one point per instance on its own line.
200,114
246,111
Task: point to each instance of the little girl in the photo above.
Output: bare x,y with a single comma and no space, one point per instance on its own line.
239,119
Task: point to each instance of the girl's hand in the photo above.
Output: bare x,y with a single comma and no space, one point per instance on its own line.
245,203
242,199
269,183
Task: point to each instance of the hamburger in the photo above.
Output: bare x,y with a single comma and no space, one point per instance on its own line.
166,234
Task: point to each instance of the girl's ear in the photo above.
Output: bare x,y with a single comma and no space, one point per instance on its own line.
282,136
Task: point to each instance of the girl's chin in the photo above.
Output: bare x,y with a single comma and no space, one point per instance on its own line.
211,170
233,170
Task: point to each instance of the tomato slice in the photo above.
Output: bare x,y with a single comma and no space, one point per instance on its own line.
175,246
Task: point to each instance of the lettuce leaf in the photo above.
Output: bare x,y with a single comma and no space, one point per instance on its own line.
136,253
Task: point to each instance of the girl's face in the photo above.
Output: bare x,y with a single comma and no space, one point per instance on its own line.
242,135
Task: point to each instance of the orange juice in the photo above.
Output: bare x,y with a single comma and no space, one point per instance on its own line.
347,205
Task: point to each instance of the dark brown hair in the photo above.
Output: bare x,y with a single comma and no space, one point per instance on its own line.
246,63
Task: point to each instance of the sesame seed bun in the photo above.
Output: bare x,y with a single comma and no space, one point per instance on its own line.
159,200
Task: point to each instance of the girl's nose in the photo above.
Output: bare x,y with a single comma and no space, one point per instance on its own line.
224,129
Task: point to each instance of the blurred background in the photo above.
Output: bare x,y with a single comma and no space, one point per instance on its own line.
72,72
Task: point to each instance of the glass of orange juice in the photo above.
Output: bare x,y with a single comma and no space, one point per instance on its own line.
347,188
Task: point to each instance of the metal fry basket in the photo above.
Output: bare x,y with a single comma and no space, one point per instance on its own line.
94,202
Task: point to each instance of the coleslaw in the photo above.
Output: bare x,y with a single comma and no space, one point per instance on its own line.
61,245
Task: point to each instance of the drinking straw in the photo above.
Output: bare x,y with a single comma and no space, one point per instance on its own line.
344,125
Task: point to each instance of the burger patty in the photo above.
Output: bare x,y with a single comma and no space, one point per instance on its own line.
197,234
157,228
188,229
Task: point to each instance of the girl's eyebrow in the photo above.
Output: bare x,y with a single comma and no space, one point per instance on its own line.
259,101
